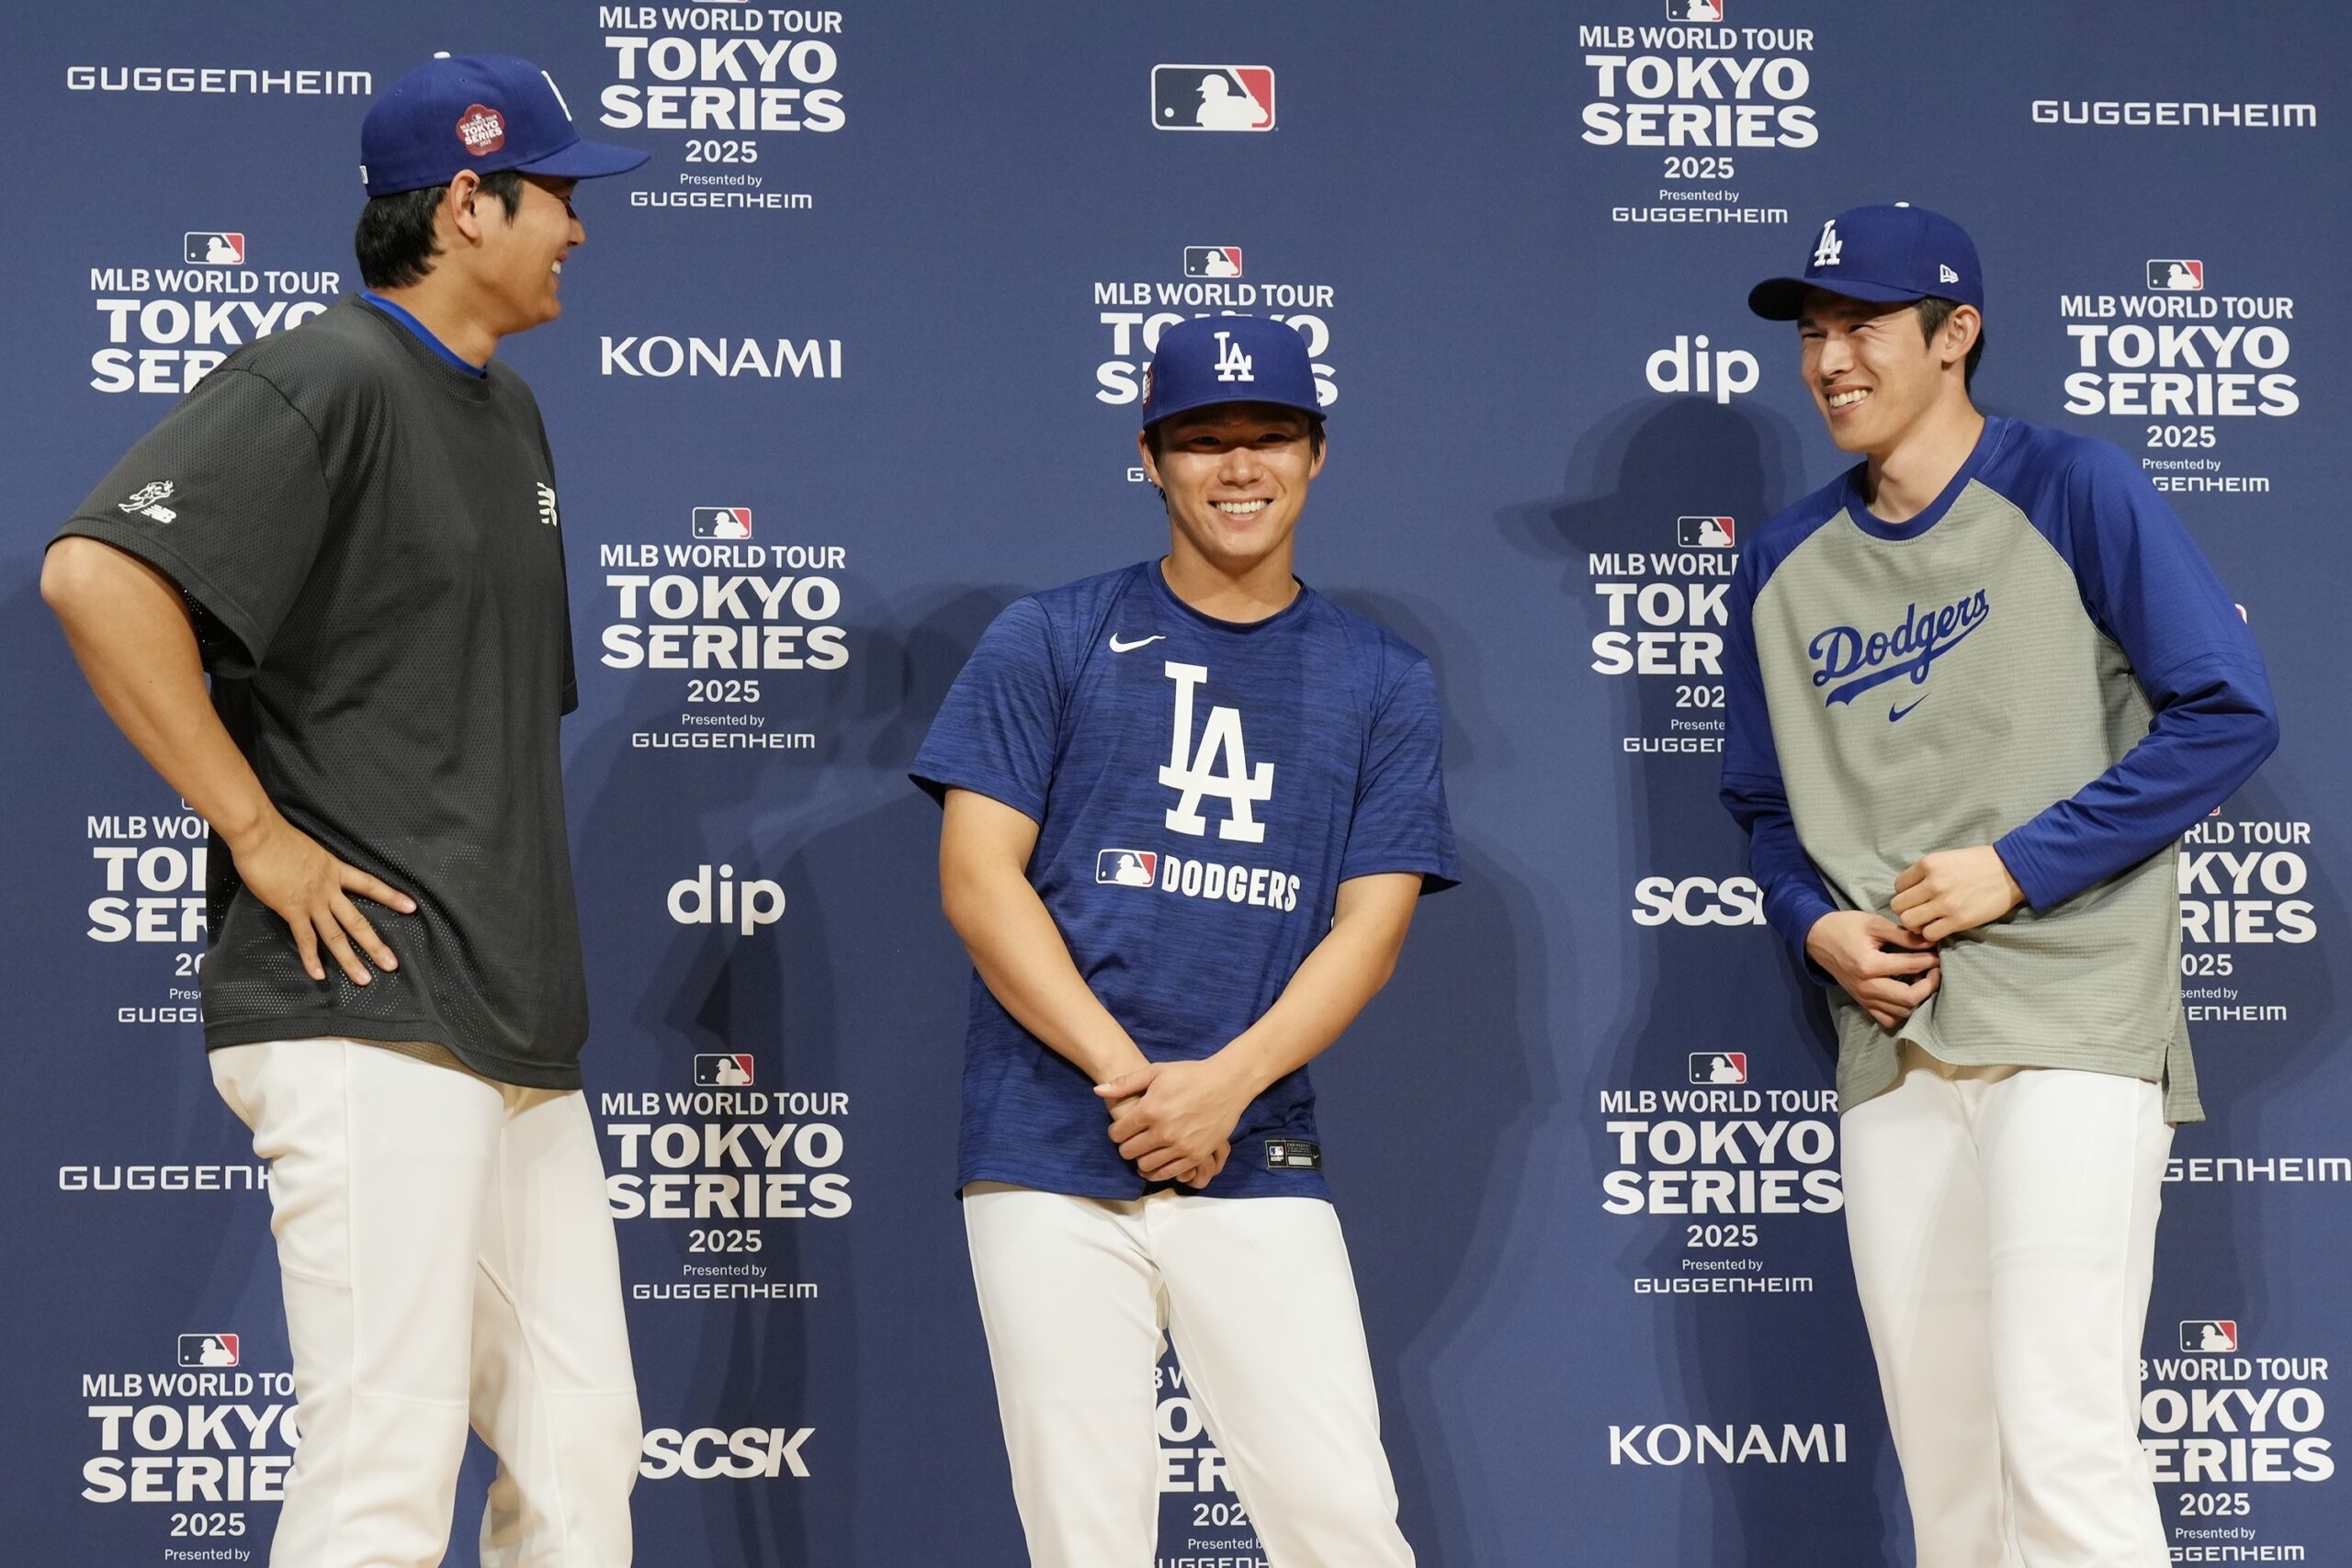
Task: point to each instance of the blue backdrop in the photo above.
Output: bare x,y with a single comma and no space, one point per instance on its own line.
870,321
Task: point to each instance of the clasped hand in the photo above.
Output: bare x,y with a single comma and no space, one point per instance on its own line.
1173,1119
1890,968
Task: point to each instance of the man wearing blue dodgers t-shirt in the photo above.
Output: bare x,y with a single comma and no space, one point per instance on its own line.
1979,686
1189,807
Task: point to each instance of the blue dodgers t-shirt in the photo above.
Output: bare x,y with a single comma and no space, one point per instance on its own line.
1201,788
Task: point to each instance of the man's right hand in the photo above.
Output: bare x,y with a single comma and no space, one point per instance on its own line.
1852,945
290,872
1193,1175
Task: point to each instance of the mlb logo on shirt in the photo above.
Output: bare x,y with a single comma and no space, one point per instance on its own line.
1212,261
2209,1334
1694,10
722,1069
1704,533
1127,868
1718,1066
1213,97
2177,276
207,1350
722,521
209,247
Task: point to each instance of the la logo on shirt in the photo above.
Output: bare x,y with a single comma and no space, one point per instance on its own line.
1194,774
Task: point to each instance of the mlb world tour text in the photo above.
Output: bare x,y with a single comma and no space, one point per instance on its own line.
1711,1153
735,621
740,1167
1709,97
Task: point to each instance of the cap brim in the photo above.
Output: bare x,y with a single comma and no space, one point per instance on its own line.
1783,298
586,160
1312,411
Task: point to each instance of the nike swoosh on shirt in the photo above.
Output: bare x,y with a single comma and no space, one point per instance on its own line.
1118,647
1894,713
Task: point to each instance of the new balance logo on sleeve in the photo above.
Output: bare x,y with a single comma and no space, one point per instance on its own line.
147,502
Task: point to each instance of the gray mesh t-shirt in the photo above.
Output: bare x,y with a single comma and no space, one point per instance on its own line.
367,538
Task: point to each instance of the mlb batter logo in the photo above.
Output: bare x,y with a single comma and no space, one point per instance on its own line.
1213,97
1212,261
722,1069
1704,533
207,1350
1125,868
1694,10
2177,276
1718,1066
482,130
2208,1336
212,247
722,521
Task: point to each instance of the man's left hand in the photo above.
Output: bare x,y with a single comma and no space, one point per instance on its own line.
1177,1116
1953,891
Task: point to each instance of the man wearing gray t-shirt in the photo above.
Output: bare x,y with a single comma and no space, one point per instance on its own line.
350,528
1977,687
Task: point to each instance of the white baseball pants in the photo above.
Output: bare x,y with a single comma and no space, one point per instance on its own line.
447,1259
1256,1295
2003,1222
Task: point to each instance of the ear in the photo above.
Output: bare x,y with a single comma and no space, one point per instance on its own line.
1960,335
1323,450
461,206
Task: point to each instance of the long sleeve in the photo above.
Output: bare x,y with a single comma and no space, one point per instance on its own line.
1795,894
2149,587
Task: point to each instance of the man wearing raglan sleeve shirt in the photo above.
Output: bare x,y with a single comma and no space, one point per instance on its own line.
1979,686
351,529
1190,808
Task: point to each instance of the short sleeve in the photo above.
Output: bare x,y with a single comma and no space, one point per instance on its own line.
228,499
999,730
1401,822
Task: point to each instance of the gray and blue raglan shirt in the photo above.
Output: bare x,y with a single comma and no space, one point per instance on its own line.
2041,661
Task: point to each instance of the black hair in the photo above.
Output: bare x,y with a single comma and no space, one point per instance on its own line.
1934,312
1314,433
394,240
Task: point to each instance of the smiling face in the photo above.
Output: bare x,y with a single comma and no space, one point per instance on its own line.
521,260
1874,376
1235,476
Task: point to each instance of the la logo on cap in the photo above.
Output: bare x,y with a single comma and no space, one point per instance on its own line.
1830,248
1232,363
482,130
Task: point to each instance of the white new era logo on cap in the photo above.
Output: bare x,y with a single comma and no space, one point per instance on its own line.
1945,274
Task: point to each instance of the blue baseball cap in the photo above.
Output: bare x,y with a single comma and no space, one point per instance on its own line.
1229,359
1888,254
481,112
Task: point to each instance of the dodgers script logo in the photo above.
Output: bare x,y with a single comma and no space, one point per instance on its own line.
1850,662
